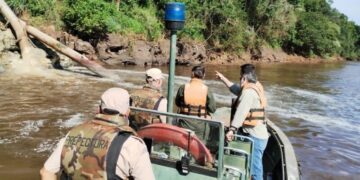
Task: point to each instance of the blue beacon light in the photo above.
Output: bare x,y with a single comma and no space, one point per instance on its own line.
174,16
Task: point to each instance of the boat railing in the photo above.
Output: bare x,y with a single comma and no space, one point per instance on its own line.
171,117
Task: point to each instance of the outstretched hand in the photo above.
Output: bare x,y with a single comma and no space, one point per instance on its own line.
223,79
219,75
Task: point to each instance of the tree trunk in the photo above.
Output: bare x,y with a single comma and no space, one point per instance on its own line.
81,59
20,29
20,32
117,4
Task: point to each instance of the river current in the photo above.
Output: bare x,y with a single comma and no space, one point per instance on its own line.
316,105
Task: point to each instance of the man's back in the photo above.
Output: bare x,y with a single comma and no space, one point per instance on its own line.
81,156
147,98
102,148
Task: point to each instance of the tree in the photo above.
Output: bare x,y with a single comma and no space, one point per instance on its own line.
117,4
271,20
316,35
90,19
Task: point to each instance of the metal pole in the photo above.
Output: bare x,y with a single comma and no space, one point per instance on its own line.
170,96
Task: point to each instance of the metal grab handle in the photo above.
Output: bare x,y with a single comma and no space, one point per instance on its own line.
236,150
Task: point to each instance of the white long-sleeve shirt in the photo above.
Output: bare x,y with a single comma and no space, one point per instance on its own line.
249,99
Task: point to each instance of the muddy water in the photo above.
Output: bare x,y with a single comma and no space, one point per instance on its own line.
317,106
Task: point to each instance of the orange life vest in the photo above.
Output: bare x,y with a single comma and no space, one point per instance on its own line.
256,114
195,95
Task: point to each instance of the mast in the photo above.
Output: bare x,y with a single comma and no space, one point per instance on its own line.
174,20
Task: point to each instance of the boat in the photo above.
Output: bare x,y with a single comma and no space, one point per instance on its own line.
177,153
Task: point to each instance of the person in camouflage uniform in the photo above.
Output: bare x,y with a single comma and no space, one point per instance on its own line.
149,97
103,148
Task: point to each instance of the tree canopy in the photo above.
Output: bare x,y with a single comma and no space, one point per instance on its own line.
306,27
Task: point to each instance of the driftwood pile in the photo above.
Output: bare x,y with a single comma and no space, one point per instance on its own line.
22,30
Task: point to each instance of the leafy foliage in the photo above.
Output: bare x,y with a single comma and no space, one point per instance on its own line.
306,27
140,18
316,35
321,30
271,20
35,7
90,18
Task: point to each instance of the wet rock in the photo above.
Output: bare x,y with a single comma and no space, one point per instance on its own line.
225,58
266,54
161,52
7,57
67,39
7,41
83,47
114,50
117,41
66,62
190,53
1,69
141,52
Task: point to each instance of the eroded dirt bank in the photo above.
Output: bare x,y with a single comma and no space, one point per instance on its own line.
117,49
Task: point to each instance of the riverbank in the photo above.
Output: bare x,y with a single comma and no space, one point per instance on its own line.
117,49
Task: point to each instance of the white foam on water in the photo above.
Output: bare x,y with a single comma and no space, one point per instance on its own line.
178,80
289,107
132,72
72,121
311,94
182,79
129,85
30,126
214,82
223,99
7,141
283,103
54,110
45,146
344,173
36,65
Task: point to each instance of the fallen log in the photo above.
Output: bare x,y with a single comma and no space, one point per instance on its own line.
77,57
20,32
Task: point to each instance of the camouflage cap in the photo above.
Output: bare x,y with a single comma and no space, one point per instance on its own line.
115,99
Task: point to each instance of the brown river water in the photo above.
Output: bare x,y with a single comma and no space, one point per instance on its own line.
317,106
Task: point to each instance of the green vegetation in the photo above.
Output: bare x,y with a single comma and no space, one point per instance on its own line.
305,27
90,18
34,7
315,34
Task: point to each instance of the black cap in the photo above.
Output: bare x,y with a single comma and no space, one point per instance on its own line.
247,68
